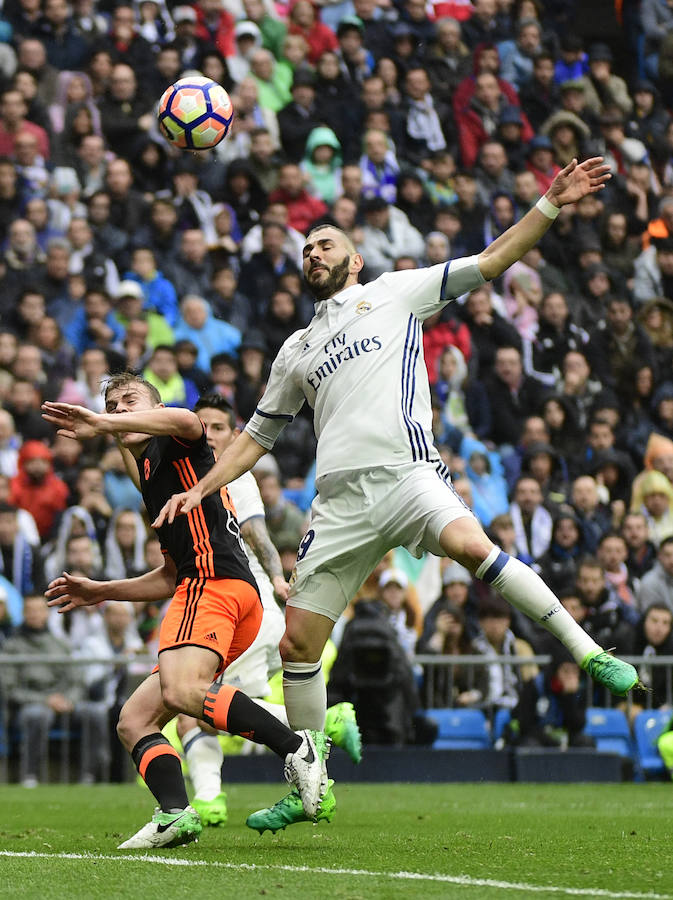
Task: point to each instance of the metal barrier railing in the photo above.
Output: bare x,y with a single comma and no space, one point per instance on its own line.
436,689
442,668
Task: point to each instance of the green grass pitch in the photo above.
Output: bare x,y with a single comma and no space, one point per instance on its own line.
386,841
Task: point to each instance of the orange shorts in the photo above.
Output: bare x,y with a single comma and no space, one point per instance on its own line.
220,614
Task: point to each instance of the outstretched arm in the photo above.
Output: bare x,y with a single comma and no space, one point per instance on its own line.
70,591
569,186
81,424
238,458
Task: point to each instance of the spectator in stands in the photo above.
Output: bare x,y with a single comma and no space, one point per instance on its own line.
612,554
125,545
513,393
191,270
447,59
125,43
656,586
653,271
653,636
386,235
594,516
506,682
40,691
128,208
601,87
162,372
559,564
284,520
532,522
210,335
106,686
125,112
94,324
483,27
260,274
302,208
20,560
516,57
654,498
445,633
13,122
405,617
607,618
642,553
36,487
540,94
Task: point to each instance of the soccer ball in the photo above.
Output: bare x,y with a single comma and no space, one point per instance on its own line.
195,113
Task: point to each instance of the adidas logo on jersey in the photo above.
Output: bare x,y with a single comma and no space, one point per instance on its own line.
306,347
211,637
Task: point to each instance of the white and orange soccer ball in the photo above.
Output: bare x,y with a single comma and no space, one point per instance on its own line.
195,113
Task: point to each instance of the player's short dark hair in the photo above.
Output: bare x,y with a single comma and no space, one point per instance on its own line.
666,541
216,401
121,379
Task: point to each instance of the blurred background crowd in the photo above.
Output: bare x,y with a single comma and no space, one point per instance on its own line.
424,128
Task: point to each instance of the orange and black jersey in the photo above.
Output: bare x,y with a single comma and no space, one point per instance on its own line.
205,543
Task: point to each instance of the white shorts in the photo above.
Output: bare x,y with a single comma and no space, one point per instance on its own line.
357,517
252,670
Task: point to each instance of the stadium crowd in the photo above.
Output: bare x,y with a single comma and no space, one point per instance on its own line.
423,129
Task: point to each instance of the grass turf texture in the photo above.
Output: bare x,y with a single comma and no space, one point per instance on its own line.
597,840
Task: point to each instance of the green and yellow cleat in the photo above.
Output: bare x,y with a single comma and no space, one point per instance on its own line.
213,812
342,727
289,811
617,676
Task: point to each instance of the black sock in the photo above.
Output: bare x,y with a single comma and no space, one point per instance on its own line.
159,765
229,709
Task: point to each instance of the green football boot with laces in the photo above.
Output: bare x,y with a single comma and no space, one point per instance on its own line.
342,727
614,674
213,812
289,811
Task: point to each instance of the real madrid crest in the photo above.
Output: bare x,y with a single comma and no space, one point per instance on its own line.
363,307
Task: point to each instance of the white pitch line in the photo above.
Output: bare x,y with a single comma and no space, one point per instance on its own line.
463,880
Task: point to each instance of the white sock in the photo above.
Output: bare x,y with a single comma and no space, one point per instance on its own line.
204,757
305,695
523,588
276,709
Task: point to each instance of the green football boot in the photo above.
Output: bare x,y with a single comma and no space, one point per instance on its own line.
614,674
213,812
289,811
342,727
166,830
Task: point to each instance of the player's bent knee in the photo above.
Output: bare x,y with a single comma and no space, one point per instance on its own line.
174,696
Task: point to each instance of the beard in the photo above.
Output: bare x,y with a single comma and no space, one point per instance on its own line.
332,283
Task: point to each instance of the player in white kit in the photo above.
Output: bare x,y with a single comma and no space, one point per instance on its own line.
380,480
253,669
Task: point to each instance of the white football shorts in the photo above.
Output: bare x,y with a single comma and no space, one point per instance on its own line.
357,517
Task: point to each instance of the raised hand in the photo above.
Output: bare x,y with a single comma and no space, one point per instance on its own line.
76,422
578,180
70,591
178,505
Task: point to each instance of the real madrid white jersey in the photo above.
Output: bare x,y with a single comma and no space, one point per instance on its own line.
360,365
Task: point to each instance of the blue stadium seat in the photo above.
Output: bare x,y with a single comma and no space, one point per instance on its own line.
647,727
610,729
460,729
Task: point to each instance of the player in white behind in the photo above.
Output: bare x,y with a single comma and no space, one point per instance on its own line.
253,669
380,480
